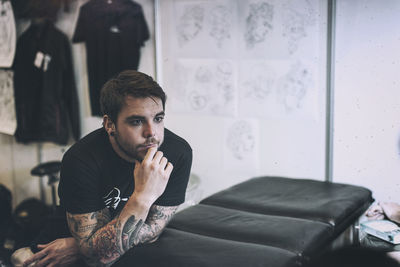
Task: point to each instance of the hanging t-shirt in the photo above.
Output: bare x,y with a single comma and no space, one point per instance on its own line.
46,100
113,32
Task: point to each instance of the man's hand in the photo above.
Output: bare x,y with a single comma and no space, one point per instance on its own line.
60,252
389,210
151,175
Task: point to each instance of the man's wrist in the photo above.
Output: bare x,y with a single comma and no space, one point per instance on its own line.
139,202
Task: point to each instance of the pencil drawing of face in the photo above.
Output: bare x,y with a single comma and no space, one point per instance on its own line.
241,140
296,21
190,23
258,23
294,88
220,22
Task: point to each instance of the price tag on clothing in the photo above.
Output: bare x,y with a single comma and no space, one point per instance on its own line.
38,59
47,59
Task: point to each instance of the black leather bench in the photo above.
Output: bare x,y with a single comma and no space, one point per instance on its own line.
265,221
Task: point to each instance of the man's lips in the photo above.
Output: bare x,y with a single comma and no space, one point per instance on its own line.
147,146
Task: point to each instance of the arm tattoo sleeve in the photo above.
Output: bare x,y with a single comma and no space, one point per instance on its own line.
130,233
156,221
103,241
138,232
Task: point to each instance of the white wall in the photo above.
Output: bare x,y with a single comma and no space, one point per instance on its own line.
367,96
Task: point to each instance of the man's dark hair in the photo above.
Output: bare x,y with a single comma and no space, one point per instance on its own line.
128,83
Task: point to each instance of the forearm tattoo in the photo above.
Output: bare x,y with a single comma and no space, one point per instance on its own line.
156,221
130,233
103,241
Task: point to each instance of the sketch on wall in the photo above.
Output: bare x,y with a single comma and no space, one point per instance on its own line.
204,86
295,87
241,143
298,19
278,29
7,106
252,58
7,34
209,23
220,24
190,23
258,23
277,89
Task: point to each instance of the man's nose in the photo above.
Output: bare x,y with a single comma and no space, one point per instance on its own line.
149,130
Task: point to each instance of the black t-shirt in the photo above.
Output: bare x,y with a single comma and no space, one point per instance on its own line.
93,176
113,32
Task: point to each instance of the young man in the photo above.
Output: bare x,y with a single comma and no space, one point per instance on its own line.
121,184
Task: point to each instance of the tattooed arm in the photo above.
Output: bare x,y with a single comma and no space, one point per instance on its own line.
149,231
102,242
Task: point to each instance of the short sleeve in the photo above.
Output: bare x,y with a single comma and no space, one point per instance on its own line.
144,30
78,189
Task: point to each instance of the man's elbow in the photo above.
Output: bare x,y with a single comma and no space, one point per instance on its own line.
153,240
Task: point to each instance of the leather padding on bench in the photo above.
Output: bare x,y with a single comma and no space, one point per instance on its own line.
265,221
333,203
181,249
297,235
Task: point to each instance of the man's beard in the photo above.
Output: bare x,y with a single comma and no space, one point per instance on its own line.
132,151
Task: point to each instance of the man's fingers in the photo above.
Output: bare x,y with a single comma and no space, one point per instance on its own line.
37,256
150,154
163,163
42,246
169,168
158,156
43,262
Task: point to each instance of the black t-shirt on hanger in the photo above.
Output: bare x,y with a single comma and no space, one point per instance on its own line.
113,32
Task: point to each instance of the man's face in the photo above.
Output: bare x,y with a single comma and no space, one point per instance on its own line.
139,126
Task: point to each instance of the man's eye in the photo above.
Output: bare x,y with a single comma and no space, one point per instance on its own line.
159,119
135,122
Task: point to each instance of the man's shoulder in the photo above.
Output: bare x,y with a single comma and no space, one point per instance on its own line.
172,139
92,143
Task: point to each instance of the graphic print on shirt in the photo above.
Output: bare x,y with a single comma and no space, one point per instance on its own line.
113,198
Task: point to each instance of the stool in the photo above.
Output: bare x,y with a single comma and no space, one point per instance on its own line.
51,170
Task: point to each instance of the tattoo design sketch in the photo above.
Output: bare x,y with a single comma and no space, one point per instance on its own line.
258,23
197,101
294,87
7,34
296,19
220,24
241,139
190,24
207,88
259,84
224,87
7,104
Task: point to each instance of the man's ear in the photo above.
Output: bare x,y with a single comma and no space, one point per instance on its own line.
108,125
